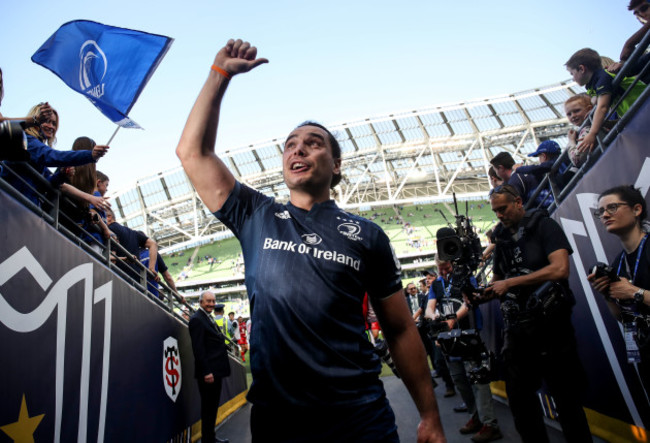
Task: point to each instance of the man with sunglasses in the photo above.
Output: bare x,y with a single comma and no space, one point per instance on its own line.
622,210
531,270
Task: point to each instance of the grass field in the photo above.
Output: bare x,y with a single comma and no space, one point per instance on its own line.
412,230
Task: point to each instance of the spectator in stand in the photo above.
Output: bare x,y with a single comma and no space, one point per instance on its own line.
547,153
577,109
622,210
101,188
161,268
641,9
503,165
585,67
133,241
40,139
495,180
85,180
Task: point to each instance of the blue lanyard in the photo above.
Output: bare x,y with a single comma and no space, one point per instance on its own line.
638,259
446,290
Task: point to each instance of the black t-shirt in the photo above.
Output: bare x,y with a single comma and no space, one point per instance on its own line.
528,249
642,276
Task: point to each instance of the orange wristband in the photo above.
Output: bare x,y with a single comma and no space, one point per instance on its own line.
221,71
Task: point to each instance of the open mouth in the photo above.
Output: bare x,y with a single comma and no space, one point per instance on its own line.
299,167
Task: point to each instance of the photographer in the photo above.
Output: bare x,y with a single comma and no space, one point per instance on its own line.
435,354
457,314
531,268
622,210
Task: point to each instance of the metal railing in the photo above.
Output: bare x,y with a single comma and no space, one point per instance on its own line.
603,140
49,209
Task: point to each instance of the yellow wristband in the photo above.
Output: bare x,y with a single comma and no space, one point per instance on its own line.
220,71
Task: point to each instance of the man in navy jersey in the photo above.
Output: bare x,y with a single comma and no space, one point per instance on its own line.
308,265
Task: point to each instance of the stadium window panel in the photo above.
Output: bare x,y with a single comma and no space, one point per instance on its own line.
433,118
376,167
360,130
462,127
390,138
479,111
246,163
541,114
557,97
413,134
346,146
366,142
512,119
487,123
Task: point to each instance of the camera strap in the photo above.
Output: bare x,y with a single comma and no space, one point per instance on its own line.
636,265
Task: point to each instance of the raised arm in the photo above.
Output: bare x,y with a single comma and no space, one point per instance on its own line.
207,172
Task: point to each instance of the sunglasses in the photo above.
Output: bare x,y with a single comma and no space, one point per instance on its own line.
501,189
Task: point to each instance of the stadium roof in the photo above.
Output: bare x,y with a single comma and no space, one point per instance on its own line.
419,156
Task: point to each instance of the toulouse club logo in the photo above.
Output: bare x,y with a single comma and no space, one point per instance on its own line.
92,69
172,376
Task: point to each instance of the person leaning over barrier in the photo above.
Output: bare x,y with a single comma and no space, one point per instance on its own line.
531,270
315,375
622,210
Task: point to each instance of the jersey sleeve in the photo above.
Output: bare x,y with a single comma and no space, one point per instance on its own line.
239,206
384,269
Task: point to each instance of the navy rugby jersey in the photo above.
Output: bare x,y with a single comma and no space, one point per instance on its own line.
306,275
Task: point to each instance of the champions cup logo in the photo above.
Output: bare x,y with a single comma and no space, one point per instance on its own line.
92,69
171,368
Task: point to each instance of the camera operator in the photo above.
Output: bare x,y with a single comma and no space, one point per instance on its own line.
531,269
622,210
435,354
458,314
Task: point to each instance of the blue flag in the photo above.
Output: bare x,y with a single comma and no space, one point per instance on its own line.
110,66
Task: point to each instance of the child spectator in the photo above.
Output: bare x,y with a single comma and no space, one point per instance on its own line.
547,153
585,67
577,109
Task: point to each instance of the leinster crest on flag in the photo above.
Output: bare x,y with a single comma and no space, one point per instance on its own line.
171,368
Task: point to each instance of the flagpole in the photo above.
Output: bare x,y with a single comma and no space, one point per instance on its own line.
113,136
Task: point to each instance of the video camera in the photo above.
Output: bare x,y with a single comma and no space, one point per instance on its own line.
468,345
462,247
13,141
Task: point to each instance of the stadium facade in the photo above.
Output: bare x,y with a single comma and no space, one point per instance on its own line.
412,157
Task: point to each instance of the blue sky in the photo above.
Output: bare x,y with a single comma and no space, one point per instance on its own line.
330,61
